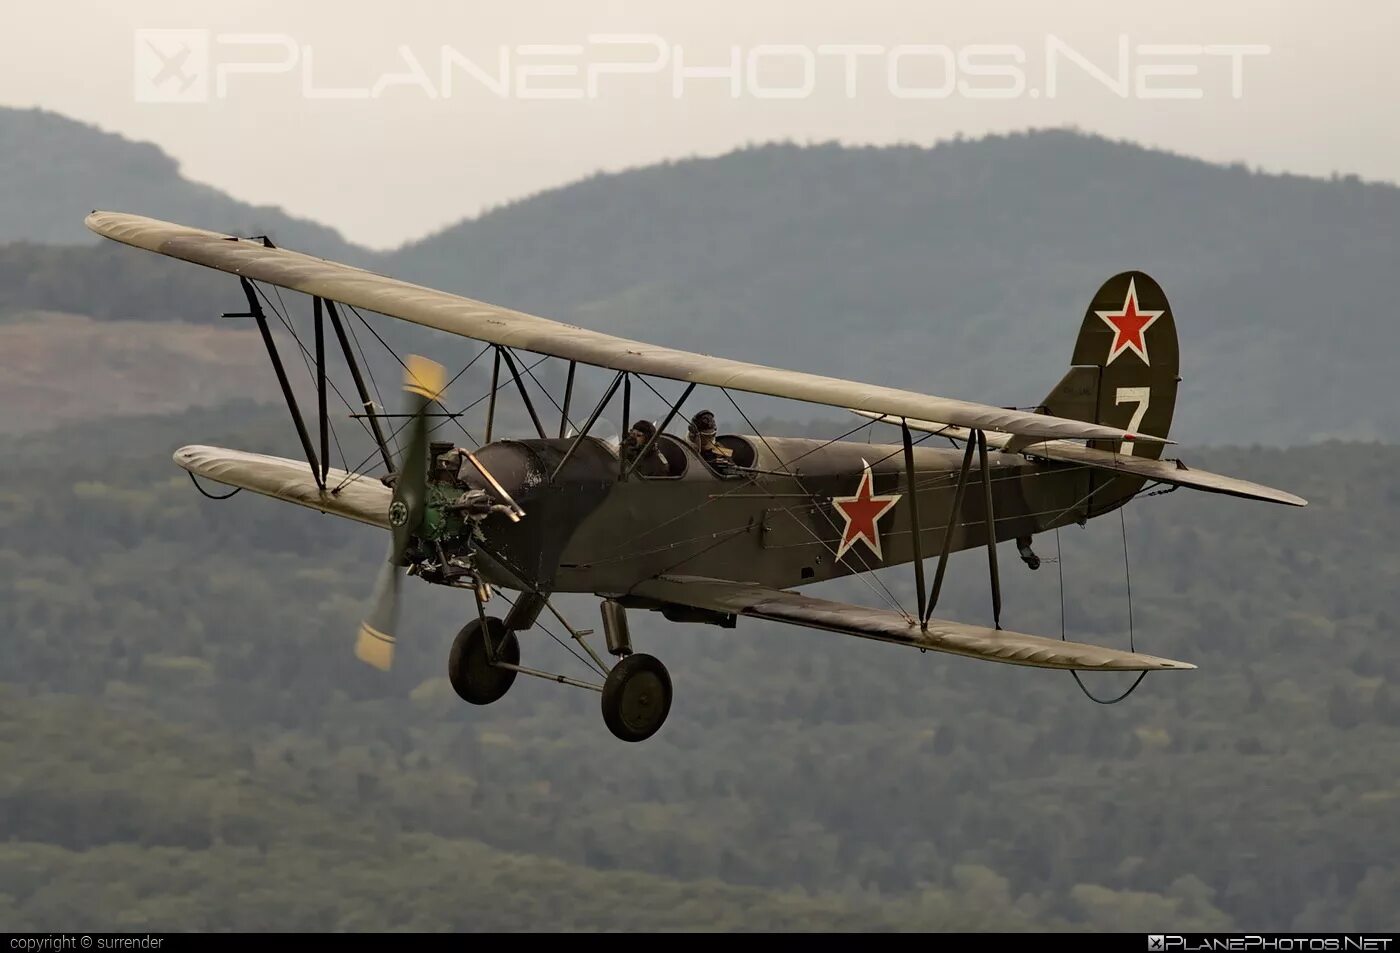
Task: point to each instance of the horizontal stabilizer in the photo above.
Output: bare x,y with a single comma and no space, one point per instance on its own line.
352,495
1162,471
1063,451
885,625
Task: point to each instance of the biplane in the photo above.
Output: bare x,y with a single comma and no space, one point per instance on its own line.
707,527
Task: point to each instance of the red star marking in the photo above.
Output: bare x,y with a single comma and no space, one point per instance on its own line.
862,513
1129,326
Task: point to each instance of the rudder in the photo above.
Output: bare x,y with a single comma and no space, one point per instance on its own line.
1126,365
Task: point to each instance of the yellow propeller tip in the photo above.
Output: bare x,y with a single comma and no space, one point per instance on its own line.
374,647
424,376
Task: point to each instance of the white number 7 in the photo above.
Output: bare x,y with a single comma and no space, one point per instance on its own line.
1133,395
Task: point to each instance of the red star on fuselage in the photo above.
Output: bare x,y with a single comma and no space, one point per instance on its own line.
862,513
1129,326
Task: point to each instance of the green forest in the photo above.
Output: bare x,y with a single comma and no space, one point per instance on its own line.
189,743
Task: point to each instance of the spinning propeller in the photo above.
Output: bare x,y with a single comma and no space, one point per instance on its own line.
423,382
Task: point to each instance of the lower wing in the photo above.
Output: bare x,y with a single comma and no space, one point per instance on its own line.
365,499
957,638
352,495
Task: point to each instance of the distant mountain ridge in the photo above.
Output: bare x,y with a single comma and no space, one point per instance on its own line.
961,270
54,170
965,269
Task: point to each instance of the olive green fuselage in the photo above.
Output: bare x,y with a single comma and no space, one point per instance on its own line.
771,521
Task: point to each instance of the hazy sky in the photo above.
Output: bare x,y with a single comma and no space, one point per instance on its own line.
389,120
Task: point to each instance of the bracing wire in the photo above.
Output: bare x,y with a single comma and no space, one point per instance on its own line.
369,369
593,668
1128,580
354,475
306,362
867,575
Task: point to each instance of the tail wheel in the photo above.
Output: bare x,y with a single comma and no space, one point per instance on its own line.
473,676
636,697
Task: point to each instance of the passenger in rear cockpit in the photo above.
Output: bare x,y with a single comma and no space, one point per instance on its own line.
702,439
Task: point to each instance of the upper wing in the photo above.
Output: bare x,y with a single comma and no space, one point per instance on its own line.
495,325
1162,471
958,638
358,497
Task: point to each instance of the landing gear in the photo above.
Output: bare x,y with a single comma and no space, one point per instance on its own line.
486,658
636,697
469,666
637,692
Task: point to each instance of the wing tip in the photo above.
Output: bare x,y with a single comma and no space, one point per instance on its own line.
1172,665
1135,662
185,456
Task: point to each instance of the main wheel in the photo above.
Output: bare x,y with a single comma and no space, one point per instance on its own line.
636,697
473,676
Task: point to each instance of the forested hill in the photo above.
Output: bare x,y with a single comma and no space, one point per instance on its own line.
190,744
961,270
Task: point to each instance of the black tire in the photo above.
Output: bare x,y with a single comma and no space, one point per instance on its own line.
473,677
636,697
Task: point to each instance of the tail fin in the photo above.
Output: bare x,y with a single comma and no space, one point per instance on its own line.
1126,366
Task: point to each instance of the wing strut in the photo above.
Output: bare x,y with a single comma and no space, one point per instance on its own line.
359,384
495,388
568,399
977,439
626,425
948,533
592,419
651,441
321,389
991,528
255,311
915,524
520,386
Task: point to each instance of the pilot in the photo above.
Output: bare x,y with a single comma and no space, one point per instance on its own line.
653,464
702,438
445,463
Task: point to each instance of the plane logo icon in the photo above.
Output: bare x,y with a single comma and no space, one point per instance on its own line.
171,66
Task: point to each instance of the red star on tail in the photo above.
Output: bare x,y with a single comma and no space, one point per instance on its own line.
1129,326
862,513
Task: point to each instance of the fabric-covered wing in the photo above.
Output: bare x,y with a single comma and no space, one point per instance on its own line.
495,325
1162,471
361,498
958,638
